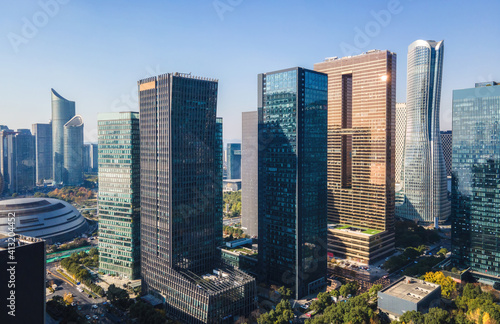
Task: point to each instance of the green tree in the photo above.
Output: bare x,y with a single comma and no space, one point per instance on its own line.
412,317
349,288
283,314
437,316
442,252
324,300
286,293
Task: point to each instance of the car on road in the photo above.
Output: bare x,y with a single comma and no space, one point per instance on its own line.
88,317
94,306
95,317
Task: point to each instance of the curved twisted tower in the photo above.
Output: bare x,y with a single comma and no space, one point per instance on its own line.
426,195
62,111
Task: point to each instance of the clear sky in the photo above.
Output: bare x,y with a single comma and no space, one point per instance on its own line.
93,52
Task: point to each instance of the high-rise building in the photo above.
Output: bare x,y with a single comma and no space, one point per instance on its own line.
234,161
90,158
292,107
250,173
62,111
400,150
181,203
119,194
446,142
425,186
73,151
23,277
476,180
43,151
19,162
361,154
4,156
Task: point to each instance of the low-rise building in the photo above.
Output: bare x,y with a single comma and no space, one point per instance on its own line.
408,294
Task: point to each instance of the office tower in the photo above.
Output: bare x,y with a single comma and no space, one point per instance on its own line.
62,111
43,151
90,158
250,173
181,203
400,149
4,155
234,161
73,151
23,278
426,195
446,142
476,180
119,194
18,162
292,107
361,154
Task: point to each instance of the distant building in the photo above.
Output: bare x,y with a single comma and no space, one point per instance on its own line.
73,151
181,203
234,161
250,173
400,150
425,185
27,293
476,180
361,153
43,151
231,185
62,111
90,154
18,160
408,294
292,107
119,214
446,142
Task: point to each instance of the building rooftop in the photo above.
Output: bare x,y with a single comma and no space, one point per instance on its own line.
411,289
220,279
353,229
19,239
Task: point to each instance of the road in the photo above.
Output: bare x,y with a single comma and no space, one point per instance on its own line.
231,221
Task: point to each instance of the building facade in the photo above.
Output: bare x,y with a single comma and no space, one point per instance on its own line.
446,142
292,107
250,173
43,151
476,179
181,203
90,156
400,150
119,194
73,151
62,111
233,161
18,160
425,185
361,152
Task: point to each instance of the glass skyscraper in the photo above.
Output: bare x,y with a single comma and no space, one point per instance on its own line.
234,161
476,179
250,173
62,111
43,151
181,203
73,151
361,155
119,193
292,106
425,185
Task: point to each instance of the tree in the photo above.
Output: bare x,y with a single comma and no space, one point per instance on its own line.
412,317
448,286
437,316
324,300
68,298
373,292
443,252
349,288
286,293
282,315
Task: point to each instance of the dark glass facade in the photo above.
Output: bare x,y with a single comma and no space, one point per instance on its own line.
181,202
18,160
476,179
119,194
73,152
234,161
292,178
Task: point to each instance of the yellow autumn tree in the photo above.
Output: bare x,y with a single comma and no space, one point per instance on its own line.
448,286
68,298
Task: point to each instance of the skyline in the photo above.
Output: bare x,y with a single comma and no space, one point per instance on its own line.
91,58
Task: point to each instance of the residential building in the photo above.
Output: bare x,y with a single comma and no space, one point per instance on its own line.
43,151
73,151
233,161
250,173
62,111
476,180
119,194
361,154
292,107
425,185
181,203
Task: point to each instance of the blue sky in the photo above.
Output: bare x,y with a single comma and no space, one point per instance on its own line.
93,52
